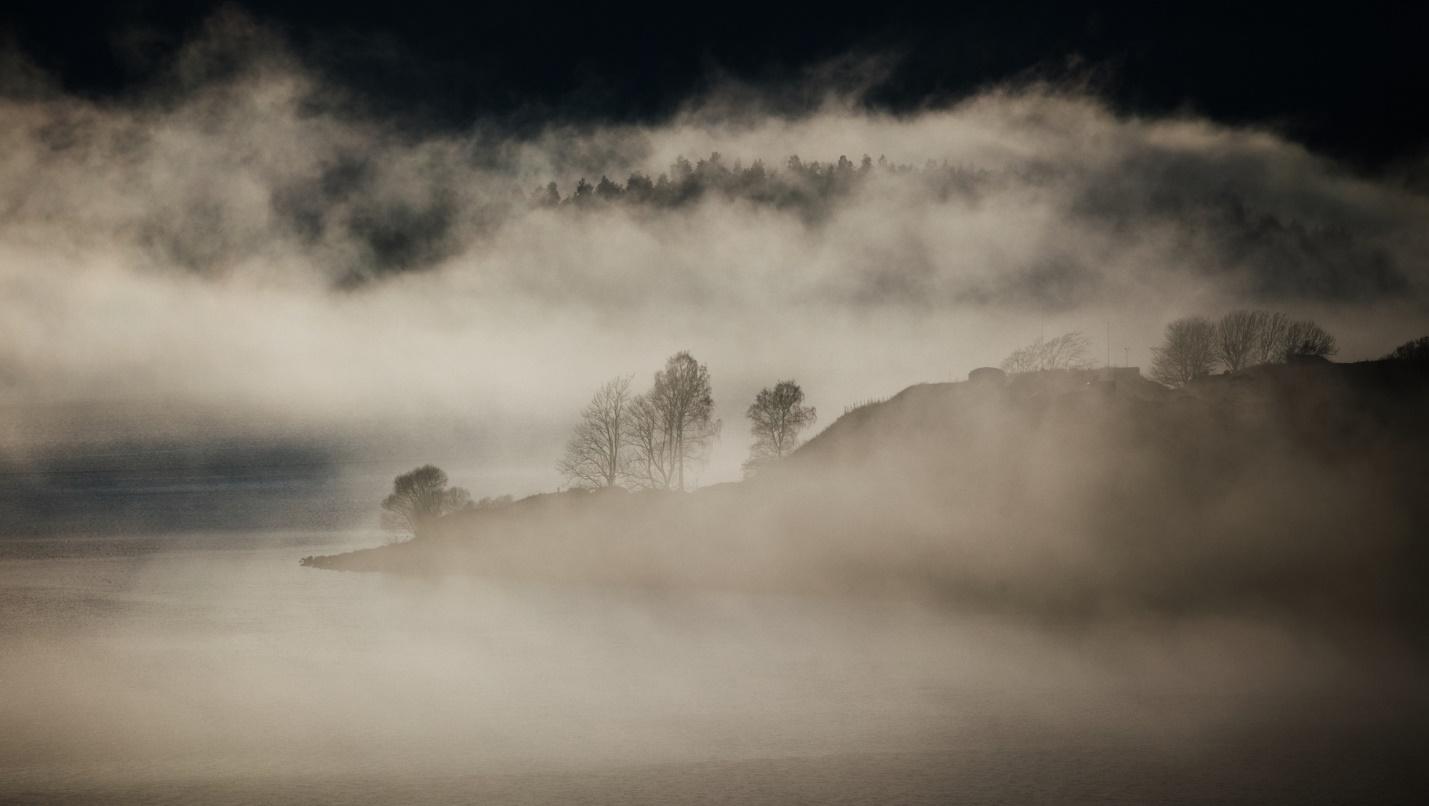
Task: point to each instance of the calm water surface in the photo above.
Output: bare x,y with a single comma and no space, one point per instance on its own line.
212,668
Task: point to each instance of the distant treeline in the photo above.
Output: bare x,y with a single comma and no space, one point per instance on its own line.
1288,253
807,186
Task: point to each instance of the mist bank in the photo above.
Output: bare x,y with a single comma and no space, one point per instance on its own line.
240,252
1291,490
141,670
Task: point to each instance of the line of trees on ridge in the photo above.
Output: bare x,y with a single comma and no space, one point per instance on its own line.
1195,346
649,440
807,185
646,441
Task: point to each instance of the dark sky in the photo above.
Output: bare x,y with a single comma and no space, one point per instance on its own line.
1349,81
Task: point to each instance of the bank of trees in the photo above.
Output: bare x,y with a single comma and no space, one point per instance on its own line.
1194,346
648,440
807,186
652,440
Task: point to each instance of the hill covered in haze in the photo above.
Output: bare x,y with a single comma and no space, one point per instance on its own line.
1296,489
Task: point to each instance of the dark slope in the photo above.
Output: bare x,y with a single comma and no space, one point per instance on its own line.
1293,488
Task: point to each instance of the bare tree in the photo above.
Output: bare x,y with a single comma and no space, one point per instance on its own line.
1067,351
595,456
648,458
1270,337
1237,337
776,417
684,404
1304,338
1187,352
418,498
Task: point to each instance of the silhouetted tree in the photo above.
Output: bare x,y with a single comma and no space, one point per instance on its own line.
420,497
683,406
1270,337
595,455
639,188
1067,351
1187,352
607,190
583,194
1305,338
648,458
1416,350
1237,337
775,419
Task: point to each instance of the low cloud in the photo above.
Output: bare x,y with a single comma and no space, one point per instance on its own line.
244,251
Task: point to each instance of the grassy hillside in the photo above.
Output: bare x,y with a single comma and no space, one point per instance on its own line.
1067,494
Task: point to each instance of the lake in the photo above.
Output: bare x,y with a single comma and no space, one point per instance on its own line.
212,668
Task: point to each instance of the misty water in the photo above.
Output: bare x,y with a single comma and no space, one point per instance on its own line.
212,668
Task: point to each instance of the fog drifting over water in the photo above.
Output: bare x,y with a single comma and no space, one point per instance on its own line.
242,299
218,671
242,253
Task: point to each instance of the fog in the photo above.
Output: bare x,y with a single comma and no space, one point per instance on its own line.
234,303
172,671
243,252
